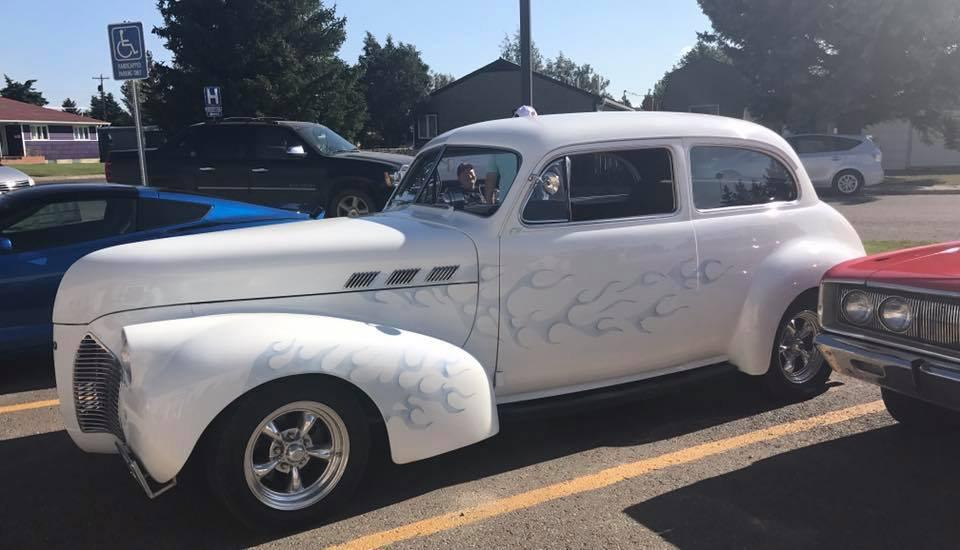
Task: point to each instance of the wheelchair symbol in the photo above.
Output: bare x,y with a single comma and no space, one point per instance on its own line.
124,49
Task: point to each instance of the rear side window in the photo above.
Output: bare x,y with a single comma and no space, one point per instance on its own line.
156,213
843,144
730,176
69,222
273,142
605,186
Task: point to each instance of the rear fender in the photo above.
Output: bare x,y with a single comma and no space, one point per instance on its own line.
180,374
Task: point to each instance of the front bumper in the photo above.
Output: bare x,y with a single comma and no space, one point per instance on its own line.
930,379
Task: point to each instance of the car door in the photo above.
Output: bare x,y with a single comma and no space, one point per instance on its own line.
225,161
47,239
819,160
600,274
284,172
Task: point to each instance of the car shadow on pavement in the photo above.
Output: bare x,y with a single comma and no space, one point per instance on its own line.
27,373
886,488
58,495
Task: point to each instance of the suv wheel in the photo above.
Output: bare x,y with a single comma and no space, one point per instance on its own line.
848,183
797,368
288,453
351,203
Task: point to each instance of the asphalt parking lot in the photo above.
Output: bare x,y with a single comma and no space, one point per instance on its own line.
708,465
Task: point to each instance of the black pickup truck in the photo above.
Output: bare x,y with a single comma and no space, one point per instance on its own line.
295,165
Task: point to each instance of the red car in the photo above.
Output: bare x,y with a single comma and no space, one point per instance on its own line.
893,320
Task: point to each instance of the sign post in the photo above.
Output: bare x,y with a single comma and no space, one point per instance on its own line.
212,103
129,58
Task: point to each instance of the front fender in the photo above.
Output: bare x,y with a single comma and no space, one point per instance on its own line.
180,374
782,277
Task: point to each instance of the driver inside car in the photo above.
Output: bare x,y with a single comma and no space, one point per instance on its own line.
465,192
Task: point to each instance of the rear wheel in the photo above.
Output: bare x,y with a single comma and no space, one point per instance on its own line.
848,183
351,202
797,368
918,414
288,453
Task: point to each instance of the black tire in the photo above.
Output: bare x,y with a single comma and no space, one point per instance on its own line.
227,444
359,195
804,377
918,414
843,180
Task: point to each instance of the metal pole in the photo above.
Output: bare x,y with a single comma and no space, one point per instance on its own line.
136,120
526,69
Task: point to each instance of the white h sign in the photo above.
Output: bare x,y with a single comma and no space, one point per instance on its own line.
211,101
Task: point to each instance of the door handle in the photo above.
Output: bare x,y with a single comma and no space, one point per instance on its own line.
836,158
259,170
208,169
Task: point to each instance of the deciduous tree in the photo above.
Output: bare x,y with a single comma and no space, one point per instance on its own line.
561,67
394,79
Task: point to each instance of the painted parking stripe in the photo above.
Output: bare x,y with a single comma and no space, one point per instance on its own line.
603,478
7,409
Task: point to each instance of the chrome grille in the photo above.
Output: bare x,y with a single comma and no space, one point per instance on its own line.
442,273
13,185
361,279
402,276
936,318
96,388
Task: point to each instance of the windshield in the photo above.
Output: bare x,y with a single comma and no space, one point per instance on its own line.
471,179
325,139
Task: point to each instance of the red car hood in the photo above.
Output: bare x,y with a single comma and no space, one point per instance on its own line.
934,267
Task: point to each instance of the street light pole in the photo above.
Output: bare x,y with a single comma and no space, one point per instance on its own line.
526,70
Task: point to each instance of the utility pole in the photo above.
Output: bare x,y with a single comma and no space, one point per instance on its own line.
526,69
103,101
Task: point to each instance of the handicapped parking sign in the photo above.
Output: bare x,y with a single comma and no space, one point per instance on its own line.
127,51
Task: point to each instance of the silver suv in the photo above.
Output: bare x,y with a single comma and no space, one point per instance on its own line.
844,163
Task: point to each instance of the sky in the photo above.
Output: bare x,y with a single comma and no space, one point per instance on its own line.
63,43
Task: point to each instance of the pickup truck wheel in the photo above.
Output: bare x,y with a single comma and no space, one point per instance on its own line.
918,414
288,453
797,368
351,203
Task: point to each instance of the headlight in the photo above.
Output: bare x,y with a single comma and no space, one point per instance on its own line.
896,315
857,308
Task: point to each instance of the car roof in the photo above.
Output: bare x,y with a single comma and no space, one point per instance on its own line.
50,191
848,136
544,133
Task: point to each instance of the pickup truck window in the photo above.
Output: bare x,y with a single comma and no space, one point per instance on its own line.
731,176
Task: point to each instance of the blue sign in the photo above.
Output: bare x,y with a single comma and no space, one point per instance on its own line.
127,51
211,101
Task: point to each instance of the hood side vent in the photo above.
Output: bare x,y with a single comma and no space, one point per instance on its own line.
442,273
402,276
361,279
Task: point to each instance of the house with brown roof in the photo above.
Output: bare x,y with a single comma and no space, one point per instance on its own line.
41,134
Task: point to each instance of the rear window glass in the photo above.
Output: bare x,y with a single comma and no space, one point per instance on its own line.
728,176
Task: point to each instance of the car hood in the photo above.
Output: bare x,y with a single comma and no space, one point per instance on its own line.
11,174
935,267
285,260
386,158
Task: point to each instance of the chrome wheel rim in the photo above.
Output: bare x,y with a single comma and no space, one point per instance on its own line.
296,455
352,206
799,358
848,183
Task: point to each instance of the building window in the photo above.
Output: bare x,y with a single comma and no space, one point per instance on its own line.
39,132
710,109
82,132
427,126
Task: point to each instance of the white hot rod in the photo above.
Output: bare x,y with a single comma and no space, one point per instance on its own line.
518,259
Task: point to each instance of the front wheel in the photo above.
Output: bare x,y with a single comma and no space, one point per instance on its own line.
351,203
918,414
288,453
797,368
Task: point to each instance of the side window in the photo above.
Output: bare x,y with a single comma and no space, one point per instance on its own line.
224,143
272,143
604,186
843,144
730,176
809,145
156,213
419,176
69,222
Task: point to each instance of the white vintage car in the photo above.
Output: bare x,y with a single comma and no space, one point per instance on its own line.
518,259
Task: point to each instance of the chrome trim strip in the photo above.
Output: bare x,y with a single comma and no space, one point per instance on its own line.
916,290
221,188
889,343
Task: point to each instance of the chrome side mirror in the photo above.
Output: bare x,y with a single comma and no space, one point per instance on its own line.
550,182
296,151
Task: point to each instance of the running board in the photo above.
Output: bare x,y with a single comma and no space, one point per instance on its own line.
614,395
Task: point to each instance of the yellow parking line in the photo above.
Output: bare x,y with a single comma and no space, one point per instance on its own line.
603,478
29,406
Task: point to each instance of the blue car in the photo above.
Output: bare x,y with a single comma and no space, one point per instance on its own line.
45,229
